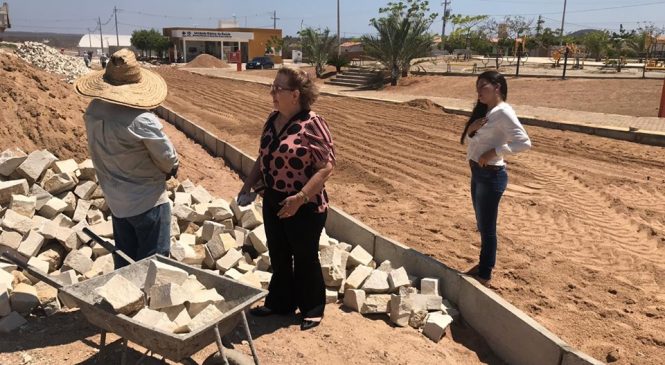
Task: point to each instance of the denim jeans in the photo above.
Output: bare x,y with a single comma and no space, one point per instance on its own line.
487,187
143,235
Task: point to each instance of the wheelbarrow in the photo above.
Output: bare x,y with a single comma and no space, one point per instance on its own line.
176,347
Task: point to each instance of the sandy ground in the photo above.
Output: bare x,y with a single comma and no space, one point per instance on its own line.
582,225
39,111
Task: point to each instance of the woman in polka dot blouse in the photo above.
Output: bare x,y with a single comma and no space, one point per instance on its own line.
296,157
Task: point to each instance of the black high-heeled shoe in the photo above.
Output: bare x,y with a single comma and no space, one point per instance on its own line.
308,324
262,311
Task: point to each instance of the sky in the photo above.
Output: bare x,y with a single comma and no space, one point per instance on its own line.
78,17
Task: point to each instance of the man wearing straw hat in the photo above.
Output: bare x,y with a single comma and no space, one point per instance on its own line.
132,156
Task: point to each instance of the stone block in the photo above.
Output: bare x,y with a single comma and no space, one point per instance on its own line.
87,170
187,214
229,260
398,278
16,222
226,240
385,266
58,183
354,299
71,200
53,207
264,278
101,266
24,298
182,199
206,317
219,210
10,239
53,253
7,267
202,299
333,266
95,215
200,195
65,166
35,164
166,295
435,326
103,229
7,278
125,297
78,261
81,211
24,205
376,303
263,262
10,159
177,314
187,239
12,187
67,277
242,236
85,189
251,218
233,274
239,211
417,318
249,278
210,229
449,309
31,244
48,298
400,310
186,186
331,295
41,195
160,273
244,267
152,318
359,256
5,306
358,277
259,240
11,322
429,286
63,221
377,282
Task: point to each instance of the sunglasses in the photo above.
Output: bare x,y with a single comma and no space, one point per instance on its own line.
277,88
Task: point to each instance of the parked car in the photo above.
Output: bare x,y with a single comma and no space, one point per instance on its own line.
260,63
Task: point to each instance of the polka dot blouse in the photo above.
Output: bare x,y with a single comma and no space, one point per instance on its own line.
287,157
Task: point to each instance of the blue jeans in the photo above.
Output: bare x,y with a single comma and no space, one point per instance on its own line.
487,187
143,235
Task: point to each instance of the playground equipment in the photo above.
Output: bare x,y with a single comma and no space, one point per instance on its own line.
575,51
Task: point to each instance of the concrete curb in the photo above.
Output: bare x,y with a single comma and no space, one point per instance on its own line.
513,336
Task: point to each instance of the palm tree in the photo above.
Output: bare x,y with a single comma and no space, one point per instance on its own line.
402,37
317,45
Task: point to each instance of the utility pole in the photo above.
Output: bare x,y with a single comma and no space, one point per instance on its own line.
446,14
274,19
101,40
339,40
117,37
563,18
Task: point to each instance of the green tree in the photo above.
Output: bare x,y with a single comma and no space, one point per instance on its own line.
403,35
463,31
140,40
317,46
150,40
596,43
275,44
338,61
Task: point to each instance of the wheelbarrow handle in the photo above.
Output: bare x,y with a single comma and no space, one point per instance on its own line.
23,264
107,245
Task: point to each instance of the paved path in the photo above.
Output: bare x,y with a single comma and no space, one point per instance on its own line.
563,116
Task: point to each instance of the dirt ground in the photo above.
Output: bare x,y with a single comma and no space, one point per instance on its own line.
635,97
582,225
39,111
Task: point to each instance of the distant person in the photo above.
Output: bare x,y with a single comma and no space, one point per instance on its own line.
103,59
296,158
86,59
493,132
131,154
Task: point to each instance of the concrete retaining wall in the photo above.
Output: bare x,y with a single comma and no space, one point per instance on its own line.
512,335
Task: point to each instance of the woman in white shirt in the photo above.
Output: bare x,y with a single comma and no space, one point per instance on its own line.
493,131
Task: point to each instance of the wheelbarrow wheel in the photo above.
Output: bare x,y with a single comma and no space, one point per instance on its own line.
233,356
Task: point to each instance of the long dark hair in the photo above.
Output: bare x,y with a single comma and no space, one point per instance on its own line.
480,109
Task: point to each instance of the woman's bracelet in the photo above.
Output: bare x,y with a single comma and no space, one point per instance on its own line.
304,197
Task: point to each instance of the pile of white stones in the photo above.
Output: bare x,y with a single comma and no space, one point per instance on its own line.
51,60
45,203
178,302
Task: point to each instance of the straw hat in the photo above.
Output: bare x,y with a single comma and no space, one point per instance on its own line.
124,82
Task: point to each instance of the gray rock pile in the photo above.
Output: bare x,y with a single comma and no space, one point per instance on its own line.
51,60
45,203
